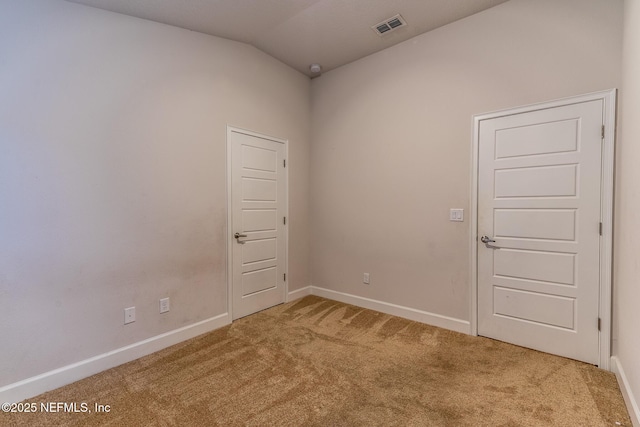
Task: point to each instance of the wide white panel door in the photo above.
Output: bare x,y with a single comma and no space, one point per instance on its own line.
258,239
539,185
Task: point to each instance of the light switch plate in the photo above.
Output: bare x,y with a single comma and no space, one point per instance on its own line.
456,214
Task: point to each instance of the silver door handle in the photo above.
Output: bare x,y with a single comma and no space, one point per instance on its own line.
238,235
488,242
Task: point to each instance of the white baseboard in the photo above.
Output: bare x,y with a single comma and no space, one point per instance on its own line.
629,399
299,293
445,322
39,384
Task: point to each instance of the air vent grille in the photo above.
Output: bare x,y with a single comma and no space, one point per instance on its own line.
389,25
395,22
383,28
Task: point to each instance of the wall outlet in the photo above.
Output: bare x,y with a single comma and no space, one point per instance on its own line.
129,315
365,278
164,305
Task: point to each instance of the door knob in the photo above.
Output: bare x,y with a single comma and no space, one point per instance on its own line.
238,235
484,239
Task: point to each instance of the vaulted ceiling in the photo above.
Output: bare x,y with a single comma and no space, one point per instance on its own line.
301,32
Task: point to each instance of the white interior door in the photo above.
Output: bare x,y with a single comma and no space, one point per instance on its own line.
257,228
539,204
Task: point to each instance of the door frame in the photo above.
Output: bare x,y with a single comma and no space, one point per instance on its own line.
606,208
229,230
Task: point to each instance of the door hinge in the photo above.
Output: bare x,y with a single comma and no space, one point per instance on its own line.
602,134
599,323
600,229
284,276
284,162
284,220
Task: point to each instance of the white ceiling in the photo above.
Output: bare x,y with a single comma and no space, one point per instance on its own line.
301,32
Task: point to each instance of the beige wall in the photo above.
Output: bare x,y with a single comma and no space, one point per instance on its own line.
627,225
112,176
391,140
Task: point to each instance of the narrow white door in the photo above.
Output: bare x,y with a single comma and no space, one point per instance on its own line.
257,229
539,211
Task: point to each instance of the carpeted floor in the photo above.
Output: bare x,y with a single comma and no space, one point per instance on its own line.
316,362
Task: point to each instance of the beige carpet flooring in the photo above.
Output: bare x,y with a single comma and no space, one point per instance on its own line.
316,362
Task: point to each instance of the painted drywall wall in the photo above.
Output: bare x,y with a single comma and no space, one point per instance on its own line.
391,141
113,176
627,222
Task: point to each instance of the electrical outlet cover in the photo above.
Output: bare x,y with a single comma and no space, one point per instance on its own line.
129,315
164,305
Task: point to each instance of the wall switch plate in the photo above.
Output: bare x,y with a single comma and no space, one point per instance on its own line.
164,305
129,315
456,214
365,278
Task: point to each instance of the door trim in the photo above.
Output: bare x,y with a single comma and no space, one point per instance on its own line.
228,231
606,211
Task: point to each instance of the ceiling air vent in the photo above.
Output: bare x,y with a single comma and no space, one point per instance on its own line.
389,25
